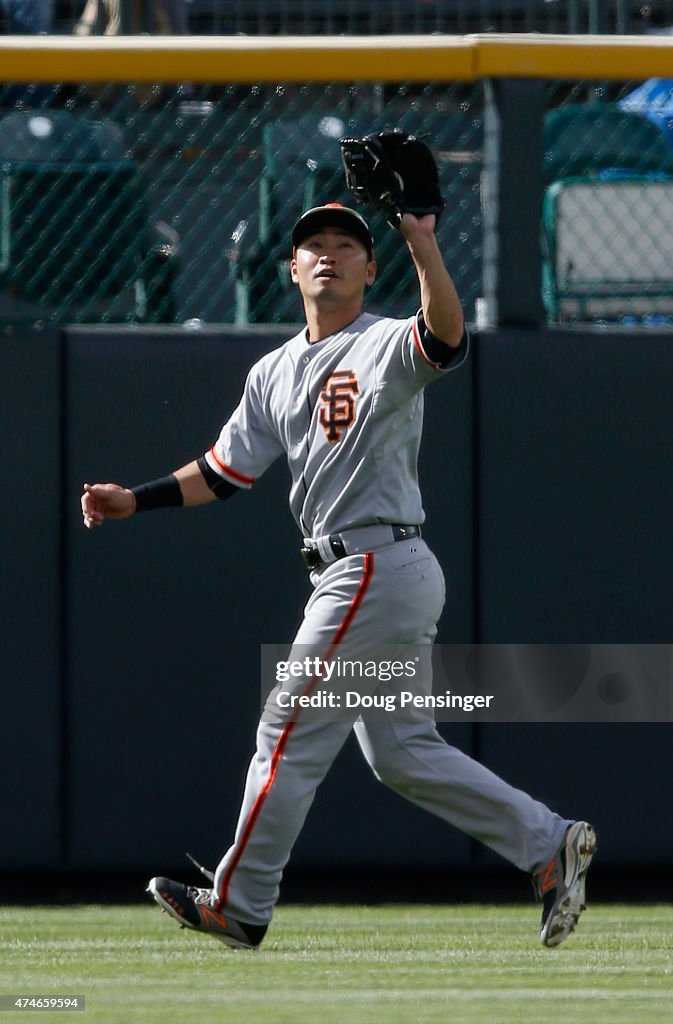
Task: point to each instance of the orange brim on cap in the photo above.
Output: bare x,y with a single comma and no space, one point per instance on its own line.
333,215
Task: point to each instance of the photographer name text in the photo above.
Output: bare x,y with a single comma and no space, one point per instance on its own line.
383,701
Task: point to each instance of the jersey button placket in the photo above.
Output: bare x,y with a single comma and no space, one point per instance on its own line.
298,425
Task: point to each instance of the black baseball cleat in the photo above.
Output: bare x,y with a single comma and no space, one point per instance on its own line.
191,907
562,884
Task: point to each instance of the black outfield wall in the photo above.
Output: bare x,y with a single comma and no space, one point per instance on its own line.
31,622
574,472
130,669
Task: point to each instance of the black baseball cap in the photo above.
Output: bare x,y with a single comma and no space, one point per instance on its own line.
333,215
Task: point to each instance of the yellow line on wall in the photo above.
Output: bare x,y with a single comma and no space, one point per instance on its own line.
410,58
237,59
619,58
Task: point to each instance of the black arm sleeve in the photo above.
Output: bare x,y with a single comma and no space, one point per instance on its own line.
222,489
442,353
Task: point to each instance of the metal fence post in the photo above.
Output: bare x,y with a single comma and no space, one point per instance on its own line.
512,191
126,17
599,17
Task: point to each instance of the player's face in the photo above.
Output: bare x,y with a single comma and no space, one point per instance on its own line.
332,267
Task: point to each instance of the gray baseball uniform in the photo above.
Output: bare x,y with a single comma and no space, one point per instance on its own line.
347,411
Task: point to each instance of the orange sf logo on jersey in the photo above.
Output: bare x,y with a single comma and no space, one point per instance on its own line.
337,403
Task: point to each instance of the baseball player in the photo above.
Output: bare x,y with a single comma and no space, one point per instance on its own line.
343,402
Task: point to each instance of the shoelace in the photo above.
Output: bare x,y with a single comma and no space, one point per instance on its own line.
210,875
199,895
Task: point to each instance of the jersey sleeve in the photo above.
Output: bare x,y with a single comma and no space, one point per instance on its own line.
248,442
410,352
434,351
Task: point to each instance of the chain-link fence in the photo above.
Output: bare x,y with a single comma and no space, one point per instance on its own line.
607,216
309,17
122,202
174,203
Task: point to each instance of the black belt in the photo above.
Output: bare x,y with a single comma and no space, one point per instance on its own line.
312,556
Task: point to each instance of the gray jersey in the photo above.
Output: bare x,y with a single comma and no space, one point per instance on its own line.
348,413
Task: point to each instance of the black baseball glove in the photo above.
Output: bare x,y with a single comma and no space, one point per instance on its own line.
394,172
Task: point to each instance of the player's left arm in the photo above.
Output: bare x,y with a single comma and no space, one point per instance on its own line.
442,309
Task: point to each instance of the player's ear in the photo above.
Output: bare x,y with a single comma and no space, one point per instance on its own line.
371,272
293,271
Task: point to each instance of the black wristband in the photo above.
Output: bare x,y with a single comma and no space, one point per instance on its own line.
163,493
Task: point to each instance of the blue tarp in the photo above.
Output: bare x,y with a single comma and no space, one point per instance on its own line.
653,100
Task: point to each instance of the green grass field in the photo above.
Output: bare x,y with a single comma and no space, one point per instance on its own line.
362,965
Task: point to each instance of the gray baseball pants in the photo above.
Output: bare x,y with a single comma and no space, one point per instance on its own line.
395,595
